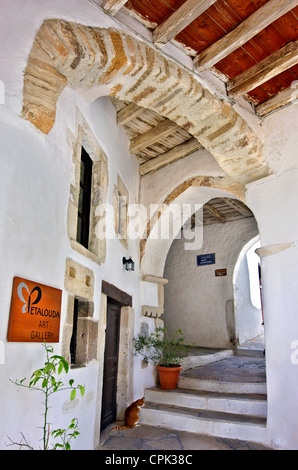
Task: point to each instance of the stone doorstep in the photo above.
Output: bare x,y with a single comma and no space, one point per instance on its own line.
213,423
244,404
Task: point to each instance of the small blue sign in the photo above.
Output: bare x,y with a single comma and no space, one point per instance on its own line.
205,260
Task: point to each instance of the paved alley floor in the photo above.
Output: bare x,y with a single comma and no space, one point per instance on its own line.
150,438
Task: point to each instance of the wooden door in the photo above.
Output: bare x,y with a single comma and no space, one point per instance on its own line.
111,355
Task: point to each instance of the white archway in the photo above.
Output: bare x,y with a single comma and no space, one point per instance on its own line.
195,300
186,203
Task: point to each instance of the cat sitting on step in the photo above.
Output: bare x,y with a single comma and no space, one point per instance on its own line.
131,416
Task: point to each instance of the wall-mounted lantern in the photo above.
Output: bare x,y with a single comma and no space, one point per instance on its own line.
129,264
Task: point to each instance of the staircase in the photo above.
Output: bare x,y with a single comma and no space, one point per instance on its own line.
224,398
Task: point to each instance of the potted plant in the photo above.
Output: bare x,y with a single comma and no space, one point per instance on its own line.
164,353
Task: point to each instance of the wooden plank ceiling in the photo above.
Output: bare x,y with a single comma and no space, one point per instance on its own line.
222,210
155,141
251,45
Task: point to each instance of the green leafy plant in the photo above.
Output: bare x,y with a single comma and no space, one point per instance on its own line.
159,349
45,380
66,435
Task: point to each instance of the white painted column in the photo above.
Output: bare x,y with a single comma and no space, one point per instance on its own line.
273,201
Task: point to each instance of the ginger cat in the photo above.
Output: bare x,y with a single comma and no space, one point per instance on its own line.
131,416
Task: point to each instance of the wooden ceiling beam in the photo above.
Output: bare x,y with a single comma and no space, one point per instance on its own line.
287,96
214,212
128,113
113,6
180,151
249,28
239,207
180,19
268,68
157,133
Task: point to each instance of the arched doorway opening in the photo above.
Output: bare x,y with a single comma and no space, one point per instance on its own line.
200,297
247,293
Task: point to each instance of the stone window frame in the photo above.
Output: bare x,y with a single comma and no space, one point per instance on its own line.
87,332
121,201
96,250
79,284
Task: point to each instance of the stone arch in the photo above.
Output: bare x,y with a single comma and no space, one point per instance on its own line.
65,53
194,191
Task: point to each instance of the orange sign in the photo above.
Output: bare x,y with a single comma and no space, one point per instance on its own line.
35,312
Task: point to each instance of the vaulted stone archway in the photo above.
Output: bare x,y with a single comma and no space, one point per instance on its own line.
78,56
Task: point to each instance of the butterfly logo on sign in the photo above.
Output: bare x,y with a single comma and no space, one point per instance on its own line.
33,297
34,312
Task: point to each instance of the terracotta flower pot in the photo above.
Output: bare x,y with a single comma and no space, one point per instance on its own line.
168,376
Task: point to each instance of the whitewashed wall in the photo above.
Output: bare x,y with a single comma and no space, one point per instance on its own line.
34,192
274,201
35,186
195,299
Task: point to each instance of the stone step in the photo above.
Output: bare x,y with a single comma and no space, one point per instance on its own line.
192,383
225,399
202,356
209,422
249,352
236,374
245,404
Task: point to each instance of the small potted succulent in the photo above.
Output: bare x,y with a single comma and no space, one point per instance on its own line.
164,353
